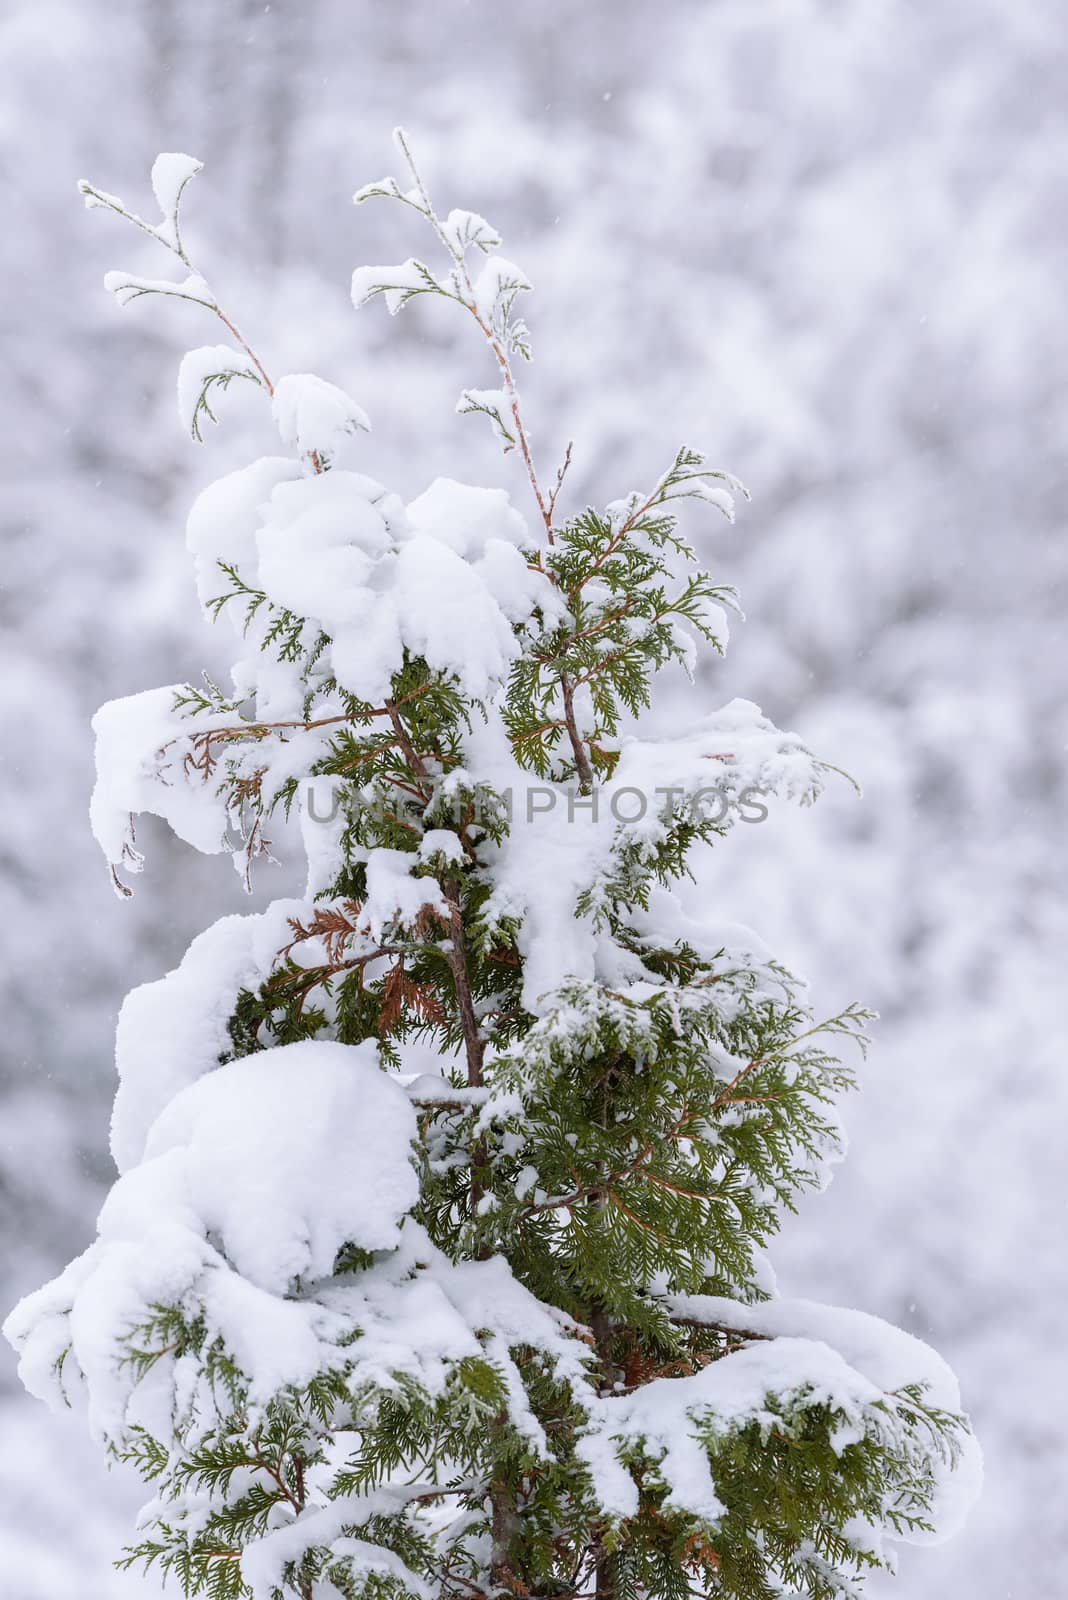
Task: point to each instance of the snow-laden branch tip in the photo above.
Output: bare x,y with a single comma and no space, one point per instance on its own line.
129,286
314,417
204,369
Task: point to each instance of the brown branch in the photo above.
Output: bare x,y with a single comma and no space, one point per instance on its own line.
676,1188
747,1099
545,727
578,749
411,755
370,755
772,1055
333,924
439,1104
314,976
456,955
621,650
562,1202
649,1227
202,740
545,504
606,621
511,390
582,760
745,1334
613,544
257,1460
409,827
247,348
561,474
634,1168
260,730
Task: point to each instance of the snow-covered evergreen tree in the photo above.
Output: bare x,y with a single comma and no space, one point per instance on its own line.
436,1262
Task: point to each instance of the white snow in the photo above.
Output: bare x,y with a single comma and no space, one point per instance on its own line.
466,230
447,581
128,286
448,613
172,1031
561,845
314,417
395,284
716,496
884,1355
141,750
223,521
729,1392
495,405
171,171
666,1415
394,898
440,843
468,519
207,365
496,285
289,1153
253,1178
889,1357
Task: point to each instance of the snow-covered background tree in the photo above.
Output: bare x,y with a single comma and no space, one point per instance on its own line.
835,249
436,1263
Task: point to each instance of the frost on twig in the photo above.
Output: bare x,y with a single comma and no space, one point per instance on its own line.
171,173
202,370
489,295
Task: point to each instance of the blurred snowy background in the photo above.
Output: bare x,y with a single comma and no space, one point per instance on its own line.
822,239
